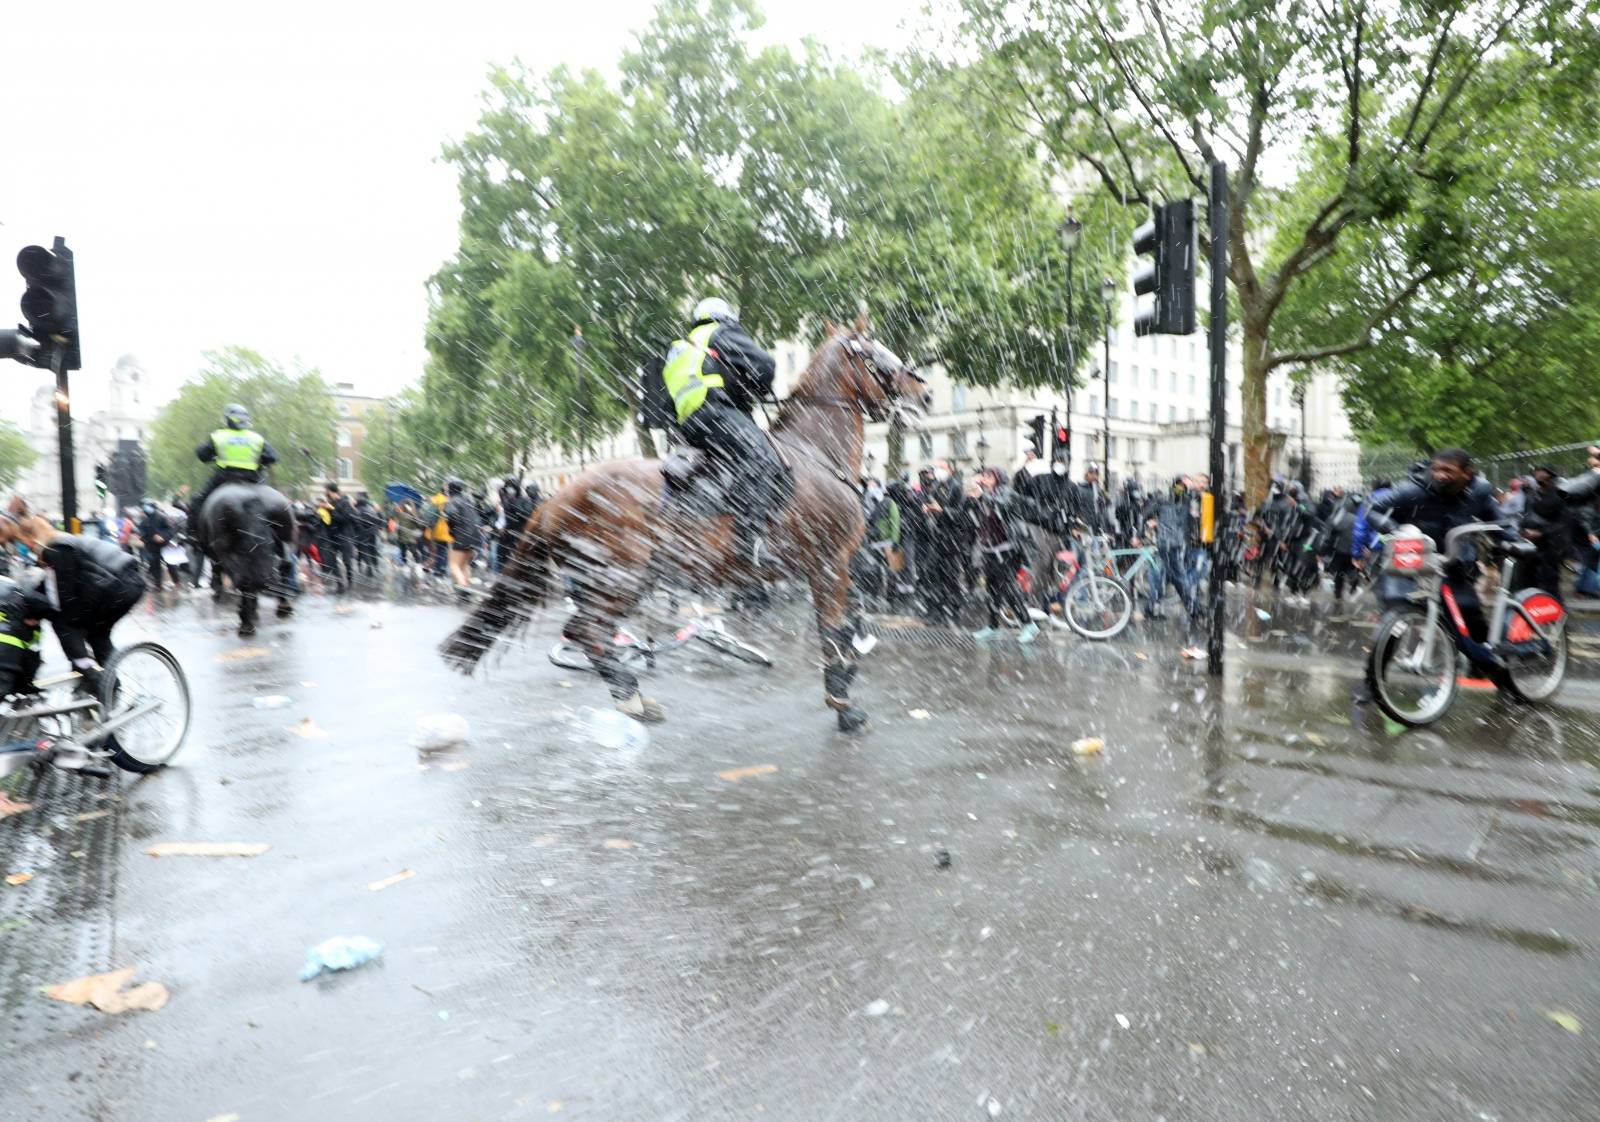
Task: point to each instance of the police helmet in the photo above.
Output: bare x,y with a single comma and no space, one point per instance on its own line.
714,308
236,417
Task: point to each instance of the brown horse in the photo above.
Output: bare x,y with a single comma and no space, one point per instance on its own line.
611,529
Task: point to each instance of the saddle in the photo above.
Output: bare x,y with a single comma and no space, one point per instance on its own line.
699,484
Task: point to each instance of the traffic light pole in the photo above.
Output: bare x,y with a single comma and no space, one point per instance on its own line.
1219,408
69,481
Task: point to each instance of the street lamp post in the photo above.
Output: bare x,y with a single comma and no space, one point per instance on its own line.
1108,292
1305,464
1071,230
579,343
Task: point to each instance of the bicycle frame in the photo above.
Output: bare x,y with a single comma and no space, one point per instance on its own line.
1506,613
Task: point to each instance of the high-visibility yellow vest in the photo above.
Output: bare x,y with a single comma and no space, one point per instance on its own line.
239,449
685,374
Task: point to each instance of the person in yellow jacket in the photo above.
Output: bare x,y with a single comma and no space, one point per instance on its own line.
438,533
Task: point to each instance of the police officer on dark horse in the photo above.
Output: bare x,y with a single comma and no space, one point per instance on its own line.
606,528
245,526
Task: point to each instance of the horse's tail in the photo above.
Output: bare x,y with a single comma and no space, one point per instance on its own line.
521,586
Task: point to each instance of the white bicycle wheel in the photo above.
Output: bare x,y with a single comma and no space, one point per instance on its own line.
1098,606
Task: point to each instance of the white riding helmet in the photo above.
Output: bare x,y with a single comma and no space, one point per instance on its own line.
714,308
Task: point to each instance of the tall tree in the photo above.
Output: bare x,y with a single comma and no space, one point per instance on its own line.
16,454
1144,96
1498,353
293,409
788,182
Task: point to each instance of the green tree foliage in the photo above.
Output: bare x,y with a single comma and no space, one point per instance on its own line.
789,183
292,409
1500,353
16,454
1392,99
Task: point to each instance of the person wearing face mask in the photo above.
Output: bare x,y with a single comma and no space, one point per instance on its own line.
1168,521
1277,518
939,563
1130,514
1452,494
1090,507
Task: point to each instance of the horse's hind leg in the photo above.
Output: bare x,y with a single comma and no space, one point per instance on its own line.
830,589
592,629
248,612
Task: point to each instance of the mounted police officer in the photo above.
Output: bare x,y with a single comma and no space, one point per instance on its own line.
715,376
238,453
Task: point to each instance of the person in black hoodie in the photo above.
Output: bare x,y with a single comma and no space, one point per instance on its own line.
154,531
339,549
516,507
1551,523
466,533
367,522
95,585
1452,494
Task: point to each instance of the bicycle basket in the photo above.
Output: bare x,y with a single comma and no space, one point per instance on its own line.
1408,556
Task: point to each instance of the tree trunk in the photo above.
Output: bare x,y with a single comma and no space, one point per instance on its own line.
647,440
896,465
1253,404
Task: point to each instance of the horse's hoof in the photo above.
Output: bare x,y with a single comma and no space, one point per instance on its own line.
641,708
285,609
248,629
851,719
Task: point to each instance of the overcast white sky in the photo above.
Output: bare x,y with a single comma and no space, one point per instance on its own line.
266,174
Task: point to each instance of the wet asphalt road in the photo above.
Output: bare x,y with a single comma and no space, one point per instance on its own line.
1258,904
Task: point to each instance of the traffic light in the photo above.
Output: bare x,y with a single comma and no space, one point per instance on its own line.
1036,437
50,305
102,480
1168,238
1061,446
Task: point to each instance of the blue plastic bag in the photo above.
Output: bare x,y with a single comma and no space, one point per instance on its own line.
342,952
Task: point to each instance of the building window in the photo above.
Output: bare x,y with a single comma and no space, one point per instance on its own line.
1172,412
1277,395
1113,446
958,445
793,362
925,445
347,469
1152,451
344,438
342,407
1152,412
1172,381
1113,378
958,398
1111,333
1191,413
1133,379
1191,385
1191,350
1172,348
1094,407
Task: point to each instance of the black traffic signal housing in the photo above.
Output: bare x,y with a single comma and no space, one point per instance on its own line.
1060,440
1169,239
50,305
102,480
1036,435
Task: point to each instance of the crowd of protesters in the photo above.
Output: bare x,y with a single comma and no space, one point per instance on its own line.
988,548
457,535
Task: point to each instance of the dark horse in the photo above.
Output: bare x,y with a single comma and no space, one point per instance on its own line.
611,529
249,530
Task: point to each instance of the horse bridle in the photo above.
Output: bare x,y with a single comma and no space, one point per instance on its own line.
883,378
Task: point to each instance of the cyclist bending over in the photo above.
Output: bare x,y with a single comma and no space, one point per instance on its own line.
89,585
